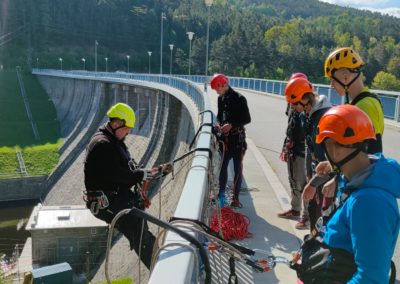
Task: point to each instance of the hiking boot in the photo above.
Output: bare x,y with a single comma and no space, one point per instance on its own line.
303,224
236,204
290,214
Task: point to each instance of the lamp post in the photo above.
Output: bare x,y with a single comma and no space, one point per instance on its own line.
208,4
37,63
161,44
84,64
190,36
149,53
127,57
61,60
171,47
106,59
95,55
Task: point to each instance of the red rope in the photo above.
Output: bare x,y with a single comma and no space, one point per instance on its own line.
234,225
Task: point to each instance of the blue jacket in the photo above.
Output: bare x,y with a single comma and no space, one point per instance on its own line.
367,223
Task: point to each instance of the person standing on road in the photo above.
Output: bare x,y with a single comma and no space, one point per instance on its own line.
293,153
343,68
233,115
366,219
110,173
300,93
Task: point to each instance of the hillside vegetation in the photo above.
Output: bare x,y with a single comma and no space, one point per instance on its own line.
257,38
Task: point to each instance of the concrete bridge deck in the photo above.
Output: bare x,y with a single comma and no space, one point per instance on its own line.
266,175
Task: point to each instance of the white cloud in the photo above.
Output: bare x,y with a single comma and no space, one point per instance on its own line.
391,7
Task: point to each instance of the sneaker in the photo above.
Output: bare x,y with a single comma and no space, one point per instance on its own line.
289,214
303,224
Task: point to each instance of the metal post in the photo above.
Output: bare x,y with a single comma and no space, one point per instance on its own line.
171,47
161,44
95,55
128,62
149,53
190,36
106,59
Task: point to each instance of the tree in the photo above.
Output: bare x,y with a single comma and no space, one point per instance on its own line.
386,81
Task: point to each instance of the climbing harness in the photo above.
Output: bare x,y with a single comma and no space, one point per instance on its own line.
98,200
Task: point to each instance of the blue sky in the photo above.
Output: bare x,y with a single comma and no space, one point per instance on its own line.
391,7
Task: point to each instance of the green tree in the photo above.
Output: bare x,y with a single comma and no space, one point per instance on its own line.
386,81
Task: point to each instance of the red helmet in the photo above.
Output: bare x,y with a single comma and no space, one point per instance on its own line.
218,80
346,124
296,88
298,75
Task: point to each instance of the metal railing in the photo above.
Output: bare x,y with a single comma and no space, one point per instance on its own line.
390,100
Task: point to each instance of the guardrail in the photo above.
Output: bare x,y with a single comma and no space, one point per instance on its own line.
178,263
390,100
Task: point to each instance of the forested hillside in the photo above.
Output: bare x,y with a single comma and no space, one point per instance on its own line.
257,38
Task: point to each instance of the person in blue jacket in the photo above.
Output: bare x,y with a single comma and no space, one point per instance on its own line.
366,221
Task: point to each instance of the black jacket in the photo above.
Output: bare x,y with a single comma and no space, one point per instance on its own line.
233,109
107,164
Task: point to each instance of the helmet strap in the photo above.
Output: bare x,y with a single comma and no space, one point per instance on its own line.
337,167
113,130
347,86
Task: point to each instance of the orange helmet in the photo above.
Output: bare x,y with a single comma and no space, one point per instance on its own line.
298,75
344,57
346,124
296,88
218,80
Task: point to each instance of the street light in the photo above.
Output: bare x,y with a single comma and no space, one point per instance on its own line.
208,4
84,64
60,59
37,63
95,55
190,35
171,47
106,59
161,44
149,53
127,57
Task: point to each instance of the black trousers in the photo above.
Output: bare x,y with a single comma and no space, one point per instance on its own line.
133,228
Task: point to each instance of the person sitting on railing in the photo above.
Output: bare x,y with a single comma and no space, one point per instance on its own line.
110,173
343,68
233,115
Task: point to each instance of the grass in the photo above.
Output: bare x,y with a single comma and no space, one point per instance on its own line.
40,156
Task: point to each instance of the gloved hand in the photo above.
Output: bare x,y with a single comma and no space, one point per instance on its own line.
166,168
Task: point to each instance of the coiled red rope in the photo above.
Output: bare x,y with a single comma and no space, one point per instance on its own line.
234,225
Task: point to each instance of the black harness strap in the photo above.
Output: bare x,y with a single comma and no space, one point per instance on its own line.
364,95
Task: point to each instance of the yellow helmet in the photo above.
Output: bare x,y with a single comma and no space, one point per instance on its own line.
123,112
344,57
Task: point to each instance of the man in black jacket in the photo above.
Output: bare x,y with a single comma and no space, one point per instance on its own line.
110,173
233,114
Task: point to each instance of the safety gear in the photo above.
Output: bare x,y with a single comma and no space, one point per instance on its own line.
296,88
346,124
342,58
124,112
298,75
218,80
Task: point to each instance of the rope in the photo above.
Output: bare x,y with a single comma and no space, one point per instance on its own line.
234,224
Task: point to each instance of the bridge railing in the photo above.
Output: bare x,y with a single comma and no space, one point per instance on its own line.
390,100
